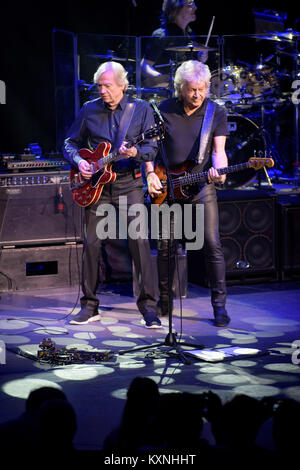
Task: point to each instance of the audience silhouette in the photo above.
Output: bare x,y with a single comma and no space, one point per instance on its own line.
140,411
47,414
167,422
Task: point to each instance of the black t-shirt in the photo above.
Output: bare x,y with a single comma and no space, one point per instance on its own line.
182,135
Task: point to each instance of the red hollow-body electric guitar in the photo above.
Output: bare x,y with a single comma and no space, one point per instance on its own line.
88,191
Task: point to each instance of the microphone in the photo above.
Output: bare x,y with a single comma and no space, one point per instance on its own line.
156,110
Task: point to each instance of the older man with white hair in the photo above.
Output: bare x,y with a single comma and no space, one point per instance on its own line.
99,121
191,119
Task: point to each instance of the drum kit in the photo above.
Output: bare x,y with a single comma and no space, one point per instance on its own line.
244,89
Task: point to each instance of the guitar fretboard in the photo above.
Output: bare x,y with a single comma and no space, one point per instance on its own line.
193,178
111,157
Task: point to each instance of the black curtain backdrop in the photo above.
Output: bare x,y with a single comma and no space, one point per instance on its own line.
26,64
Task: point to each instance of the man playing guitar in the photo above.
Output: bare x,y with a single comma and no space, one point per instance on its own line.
99,121
183,117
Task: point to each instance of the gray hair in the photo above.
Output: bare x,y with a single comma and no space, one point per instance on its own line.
191,71
118,70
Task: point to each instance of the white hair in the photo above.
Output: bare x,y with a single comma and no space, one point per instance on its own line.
118,70
191,71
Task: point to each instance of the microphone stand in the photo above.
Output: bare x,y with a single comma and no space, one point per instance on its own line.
170,339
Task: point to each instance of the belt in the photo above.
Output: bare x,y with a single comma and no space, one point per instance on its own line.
120,174
135,172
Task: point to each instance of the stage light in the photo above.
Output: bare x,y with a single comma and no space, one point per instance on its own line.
120,343
85,335
167,371
257,391
82,372
15,339
50,330
21,388
13,324
131,365
283,367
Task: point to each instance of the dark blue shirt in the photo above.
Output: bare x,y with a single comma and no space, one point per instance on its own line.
97,123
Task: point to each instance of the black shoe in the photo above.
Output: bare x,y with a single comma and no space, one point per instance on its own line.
151,320
221,317
85,316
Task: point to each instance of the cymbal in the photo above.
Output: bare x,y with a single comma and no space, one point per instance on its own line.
288,36
191,47
110,57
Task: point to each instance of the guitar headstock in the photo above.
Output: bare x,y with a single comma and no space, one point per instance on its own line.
258,163
155,132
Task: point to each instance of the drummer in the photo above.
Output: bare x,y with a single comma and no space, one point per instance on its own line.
176,17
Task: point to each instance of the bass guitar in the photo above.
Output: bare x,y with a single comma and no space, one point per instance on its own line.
185,177
88,191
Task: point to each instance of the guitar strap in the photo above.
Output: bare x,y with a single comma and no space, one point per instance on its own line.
124,124
206,130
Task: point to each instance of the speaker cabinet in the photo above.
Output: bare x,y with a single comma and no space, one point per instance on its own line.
40,267
247,225
248,234
289,236
37,208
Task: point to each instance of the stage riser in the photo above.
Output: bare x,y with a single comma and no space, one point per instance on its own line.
40,267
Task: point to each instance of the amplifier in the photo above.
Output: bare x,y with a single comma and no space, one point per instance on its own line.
38,208
34,164
36,178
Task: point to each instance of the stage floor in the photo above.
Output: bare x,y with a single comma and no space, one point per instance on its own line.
265,317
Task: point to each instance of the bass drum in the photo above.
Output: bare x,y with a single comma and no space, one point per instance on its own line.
244,141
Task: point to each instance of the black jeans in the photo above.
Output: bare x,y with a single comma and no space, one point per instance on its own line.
131,188
214,256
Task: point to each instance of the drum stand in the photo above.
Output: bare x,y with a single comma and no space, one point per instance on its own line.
270,147
296,120
170,339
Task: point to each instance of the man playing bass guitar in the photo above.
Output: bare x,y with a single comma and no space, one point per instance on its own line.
100,121
185,117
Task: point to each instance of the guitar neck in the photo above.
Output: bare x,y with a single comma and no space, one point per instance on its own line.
111,157
193,178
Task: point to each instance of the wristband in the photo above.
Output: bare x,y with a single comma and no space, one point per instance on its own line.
148,173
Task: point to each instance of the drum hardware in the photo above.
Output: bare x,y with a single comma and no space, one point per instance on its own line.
110,56
244,139
191,47
288,36
86,86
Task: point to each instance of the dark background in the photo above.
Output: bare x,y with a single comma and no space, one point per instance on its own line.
26,50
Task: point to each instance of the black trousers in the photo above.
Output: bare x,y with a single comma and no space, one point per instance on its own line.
131,191
214,256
